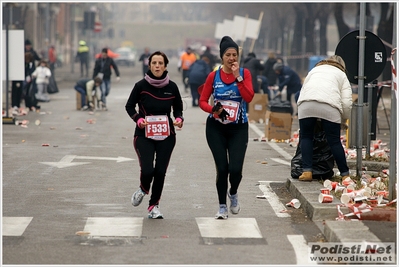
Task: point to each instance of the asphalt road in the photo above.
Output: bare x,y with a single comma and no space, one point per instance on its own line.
69,175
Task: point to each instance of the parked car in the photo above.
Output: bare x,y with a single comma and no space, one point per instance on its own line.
126,57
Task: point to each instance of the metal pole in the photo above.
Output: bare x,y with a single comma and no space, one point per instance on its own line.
394,120
359,106
7,59
370,112
72,39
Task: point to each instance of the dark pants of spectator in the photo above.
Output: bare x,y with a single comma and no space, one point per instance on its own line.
194,93
16,93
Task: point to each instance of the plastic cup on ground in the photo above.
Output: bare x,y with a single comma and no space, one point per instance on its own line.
294,203
330,185
325,191
339,188
350,188
347,181
346,197
324,198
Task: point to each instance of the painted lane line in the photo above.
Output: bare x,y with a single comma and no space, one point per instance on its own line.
273,199
273,145
301,249
281,161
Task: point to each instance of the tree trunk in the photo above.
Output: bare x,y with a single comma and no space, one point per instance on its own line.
343,28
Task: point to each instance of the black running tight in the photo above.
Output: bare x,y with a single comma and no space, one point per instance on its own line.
228,144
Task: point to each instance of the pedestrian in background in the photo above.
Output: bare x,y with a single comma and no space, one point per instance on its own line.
83,56
29,87
186,59
212,58
52,59
19,88
268,71
42,78
287,77
144,59
326,95
155,97
199,70
255,67
227,123
29,48
102,69
85,87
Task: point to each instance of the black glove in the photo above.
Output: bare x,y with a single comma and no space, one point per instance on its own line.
216,107
224,114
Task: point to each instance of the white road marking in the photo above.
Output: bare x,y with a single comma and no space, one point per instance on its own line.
281,161
273,199
67,161
118,159
111,226
301,249
231,228
273,145
15,226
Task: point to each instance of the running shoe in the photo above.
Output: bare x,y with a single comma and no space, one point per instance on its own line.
234,205
137,197
222,213
154,212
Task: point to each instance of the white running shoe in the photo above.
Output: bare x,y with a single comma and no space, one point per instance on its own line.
234,205
154,212
222,213
137,197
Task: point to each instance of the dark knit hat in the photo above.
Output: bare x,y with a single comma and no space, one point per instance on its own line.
27,42
225,44
278,66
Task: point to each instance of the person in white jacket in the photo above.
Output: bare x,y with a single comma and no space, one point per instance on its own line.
42,75
326,95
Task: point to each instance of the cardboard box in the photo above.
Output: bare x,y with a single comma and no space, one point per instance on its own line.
278,125
79,101
257,107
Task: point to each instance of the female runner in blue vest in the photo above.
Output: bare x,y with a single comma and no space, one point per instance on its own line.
227,123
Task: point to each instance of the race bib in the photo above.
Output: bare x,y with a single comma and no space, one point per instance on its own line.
157,128
232,108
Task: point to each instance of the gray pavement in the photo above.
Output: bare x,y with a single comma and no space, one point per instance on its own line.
322,214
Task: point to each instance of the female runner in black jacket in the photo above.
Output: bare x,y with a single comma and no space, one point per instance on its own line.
155,136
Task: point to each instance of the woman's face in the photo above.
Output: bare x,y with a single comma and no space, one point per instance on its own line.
157,65
229,57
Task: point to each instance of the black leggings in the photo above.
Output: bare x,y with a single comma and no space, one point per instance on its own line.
228,144
146,150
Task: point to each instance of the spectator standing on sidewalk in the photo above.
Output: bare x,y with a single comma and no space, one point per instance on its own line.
227,132
199,70
42,78
327,95
52,59
29,48
268,71
102,69
155,97
186,59
254,66
83,56
144,59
